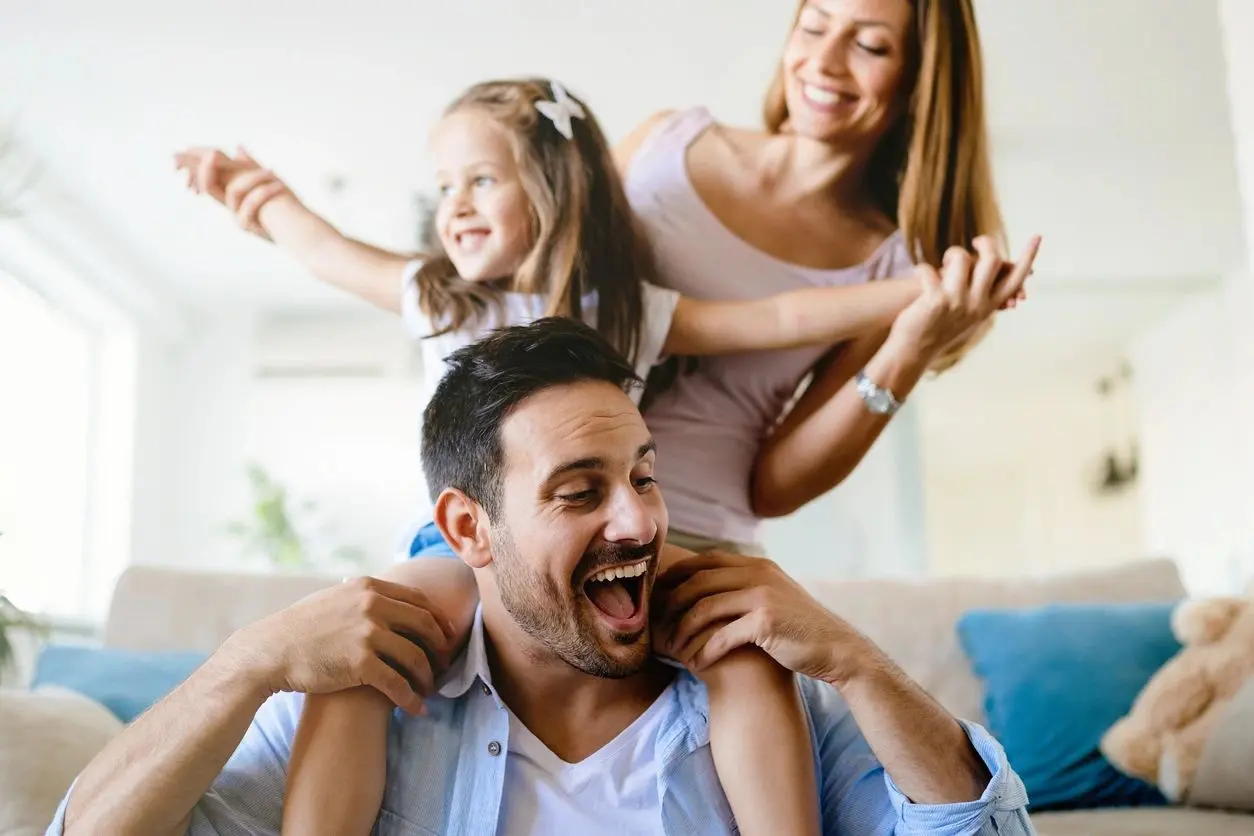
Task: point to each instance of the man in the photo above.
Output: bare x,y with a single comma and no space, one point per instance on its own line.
543,465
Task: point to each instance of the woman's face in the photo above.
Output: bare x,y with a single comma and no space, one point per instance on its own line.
844,69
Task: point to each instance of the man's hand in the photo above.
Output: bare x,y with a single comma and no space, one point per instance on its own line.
361,632
718,602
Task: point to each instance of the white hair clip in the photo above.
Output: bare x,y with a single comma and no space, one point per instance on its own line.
561,110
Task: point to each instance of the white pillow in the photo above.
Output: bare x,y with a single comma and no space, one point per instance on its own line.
47,736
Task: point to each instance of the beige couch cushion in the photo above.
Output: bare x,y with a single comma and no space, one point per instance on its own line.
1144,821
46,738
156,608
914,621
1225,774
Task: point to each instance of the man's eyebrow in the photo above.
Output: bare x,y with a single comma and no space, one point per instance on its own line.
596,462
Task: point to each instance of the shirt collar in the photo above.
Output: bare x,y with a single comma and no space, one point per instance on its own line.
470,666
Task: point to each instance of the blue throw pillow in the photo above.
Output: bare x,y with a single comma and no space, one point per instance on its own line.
126,682
1056,678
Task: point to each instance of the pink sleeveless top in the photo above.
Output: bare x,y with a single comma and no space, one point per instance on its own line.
711,423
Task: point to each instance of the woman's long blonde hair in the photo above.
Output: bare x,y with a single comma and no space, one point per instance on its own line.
585,236
932,172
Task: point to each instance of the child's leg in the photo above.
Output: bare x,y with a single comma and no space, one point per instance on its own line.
338,771
759,737
760,741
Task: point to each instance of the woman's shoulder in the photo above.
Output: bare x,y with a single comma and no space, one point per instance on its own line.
676,126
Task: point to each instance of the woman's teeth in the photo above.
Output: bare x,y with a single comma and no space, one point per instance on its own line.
633,570
820,96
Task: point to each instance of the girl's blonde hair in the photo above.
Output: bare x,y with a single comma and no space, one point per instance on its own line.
586,237
932,172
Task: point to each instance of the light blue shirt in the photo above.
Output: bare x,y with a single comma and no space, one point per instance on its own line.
446,770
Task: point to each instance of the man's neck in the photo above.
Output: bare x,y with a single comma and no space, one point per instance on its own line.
573,713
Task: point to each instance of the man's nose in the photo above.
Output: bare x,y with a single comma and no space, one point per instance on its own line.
631,519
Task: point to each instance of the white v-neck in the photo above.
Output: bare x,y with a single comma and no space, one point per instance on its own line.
612,791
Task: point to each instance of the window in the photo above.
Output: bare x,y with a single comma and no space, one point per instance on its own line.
47,377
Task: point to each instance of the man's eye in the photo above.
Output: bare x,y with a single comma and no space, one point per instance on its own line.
645,482
578,497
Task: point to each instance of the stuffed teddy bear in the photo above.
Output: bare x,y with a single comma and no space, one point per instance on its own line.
1162,737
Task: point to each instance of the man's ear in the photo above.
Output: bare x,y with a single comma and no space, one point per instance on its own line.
464,524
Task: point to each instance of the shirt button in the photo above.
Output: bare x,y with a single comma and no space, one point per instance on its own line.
486,690
494,748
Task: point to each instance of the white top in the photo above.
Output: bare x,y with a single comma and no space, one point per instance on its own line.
612,791
516,309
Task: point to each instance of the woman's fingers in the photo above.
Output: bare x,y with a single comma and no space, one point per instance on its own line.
1012,287
955,274
986,271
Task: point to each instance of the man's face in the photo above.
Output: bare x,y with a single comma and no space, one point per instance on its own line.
575,545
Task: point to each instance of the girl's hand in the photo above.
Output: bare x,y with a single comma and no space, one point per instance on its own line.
963,295
239,183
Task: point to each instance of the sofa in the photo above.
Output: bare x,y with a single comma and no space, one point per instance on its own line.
158,609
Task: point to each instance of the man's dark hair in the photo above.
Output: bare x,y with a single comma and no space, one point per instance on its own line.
485,381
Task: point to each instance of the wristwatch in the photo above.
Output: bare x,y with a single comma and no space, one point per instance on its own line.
878,400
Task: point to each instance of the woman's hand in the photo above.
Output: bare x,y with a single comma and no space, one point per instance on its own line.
239,183
716,602
961,297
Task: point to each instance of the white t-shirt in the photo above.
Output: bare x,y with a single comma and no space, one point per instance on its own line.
612,791
519,309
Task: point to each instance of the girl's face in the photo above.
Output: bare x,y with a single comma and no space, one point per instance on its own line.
843,69
484,216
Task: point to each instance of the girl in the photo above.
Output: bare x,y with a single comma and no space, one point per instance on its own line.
533,221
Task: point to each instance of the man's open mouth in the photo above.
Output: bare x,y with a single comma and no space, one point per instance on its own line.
618,592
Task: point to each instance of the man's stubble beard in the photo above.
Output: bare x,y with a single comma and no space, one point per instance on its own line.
552,615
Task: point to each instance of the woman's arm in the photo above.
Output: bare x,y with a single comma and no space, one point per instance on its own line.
813,316
830,430
264,205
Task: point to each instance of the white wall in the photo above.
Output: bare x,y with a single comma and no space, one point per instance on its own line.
1237,24
1193,376
1009,482
349,445
871,525
1196,378
352,446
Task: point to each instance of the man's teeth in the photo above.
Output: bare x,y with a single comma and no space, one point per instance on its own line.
633,570
820,96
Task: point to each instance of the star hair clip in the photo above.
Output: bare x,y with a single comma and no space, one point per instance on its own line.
561,110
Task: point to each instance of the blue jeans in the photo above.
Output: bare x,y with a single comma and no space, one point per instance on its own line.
429,542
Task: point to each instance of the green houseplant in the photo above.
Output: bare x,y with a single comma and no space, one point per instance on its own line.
272,531
14,620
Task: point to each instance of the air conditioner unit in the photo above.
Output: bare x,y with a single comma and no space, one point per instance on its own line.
332,346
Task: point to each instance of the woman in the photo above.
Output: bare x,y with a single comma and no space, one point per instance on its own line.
874,151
